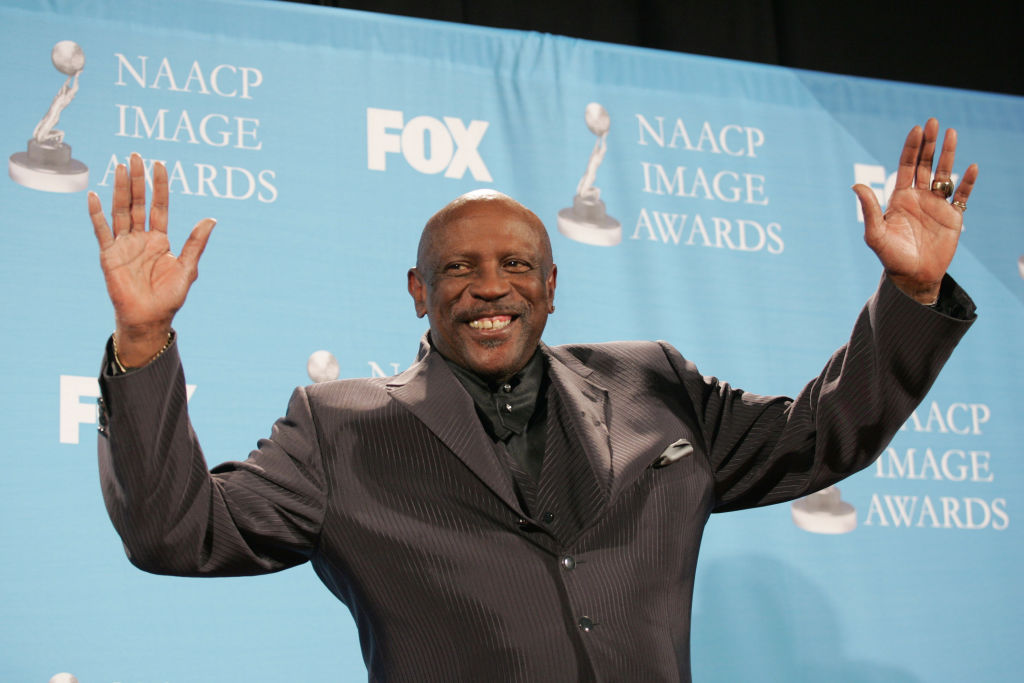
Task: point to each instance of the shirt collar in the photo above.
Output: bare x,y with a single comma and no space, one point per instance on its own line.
506,408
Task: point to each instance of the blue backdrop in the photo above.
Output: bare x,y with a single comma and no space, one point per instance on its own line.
321,140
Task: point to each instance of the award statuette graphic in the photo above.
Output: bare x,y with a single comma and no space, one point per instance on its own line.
47,165
587,220
824,512
322,366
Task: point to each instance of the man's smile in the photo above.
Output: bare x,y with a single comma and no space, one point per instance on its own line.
494,322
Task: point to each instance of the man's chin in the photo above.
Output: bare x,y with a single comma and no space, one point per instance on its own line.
494,367
491,343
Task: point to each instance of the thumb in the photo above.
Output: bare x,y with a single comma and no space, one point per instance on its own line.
873,229
196,243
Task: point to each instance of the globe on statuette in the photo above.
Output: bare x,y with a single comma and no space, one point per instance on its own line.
597,118
322,366
68,57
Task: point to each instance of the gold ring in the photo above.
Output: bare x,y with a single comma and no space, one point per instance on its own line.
960,205
943,186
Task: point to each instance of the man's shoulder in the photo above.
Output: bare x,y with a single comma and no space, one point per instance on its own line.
610,347
356,392
614,357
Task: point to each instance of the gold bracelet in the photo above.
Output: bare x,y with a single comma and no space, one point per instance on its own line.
117,360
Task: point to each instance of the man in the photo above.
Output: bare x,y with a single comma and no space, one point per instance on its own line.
504,510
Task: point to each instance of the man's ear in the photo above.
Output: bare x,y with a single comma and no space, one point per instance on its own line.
418,292
551,281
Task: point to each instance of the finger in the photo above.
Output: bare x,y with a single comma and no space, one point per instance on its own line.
873,223
908,158
137,183
158,209
923,178
945,166
99,222
195,244
963,190
122,197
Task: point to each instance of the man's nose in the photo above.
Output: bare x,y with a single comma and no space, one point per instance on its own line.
491,282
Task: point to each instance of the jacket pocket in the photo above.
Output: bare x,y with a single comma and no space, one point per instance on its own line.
675,452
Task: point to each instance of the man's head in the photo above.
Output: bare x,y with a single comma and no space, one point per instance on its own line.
484,278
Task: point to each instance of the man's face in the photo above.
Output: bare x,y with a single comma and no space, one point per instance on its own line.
486,283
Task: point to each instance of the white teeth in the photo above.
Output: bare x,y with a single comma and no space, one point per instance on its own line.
489,324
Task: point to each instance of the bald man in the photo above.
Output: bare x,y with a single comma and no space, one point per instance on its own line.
505,510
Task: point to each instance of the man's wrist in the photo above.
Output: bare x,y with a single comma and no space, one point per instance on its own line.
926,294
139,352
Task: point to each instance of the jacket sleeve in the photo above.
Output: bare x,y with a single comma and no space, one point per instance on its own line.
174,516
769,449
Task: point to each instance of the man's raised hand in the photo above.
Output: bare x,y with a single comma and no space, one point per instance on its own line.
917,236
146,282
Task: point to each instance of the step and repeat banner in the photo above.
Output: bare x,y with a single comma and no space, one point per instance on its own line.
701,201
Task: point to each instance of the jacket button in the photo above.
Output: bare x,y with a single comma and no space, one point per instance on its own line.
526,525
568,562
102,418
586,624
548,517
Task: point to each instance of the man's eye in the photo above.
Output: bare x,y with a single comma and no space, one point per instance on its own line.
517,266
455,268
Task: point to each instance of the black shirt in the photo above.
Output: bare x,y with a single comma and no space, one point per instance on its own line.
514,412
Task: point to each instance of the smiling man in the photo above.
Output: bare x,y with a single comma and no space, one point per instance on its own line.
505,510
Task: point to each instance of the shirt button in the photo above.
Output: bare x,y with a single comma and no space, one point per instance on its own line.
568,562
548,517
586,624
507,388
507,407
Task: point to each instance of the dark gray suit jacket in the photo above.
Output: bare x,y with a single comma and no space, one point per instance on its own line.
394,492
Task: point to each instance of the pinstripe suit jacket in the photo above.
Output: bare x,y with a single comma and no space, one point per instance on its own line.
393,491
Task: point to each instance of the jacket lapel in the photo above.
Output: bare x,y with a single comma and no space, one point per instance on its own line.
585,408
431,392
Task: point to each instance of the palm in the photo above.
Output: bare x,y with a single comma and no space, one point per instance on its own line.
144,279
918,236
